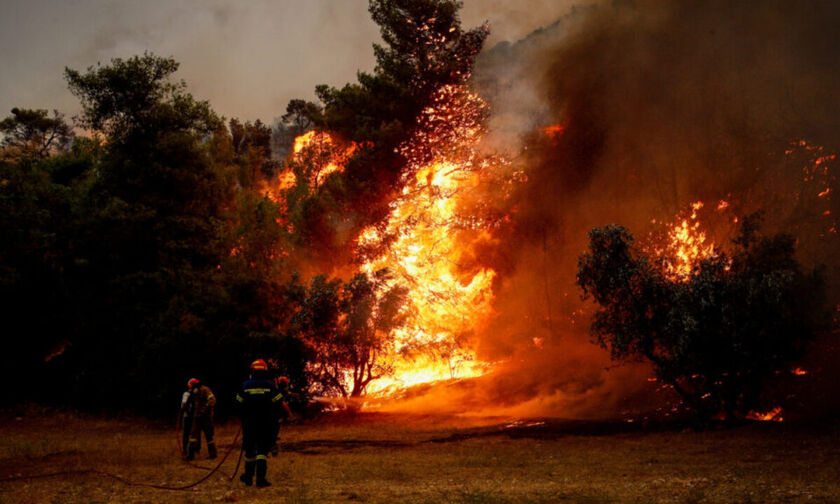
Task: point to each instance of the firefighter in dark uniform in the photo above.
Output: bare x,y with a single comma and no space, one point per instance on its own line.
203,404
185,417
258,403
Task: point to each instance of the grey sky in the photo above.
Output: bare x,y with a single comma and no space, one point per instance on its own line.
248,57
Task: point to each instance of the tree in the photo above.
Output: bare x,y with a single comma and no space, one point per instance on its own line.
40,210
719,334
348,327
33,133
149,247
135,95
425,45
252,150
300,116
425,49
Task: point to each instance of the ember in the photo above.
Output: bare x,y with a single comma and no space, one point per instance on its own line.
774,415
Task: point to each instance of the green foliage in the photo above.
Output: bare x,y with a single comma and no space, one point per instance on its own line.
717,335
130,265
301,115
347,327
425,45
425,49
146,254
135,95
251,144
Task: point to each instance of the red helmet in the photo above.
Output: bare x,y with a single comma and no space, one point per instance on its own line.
192,383
282,379
259,365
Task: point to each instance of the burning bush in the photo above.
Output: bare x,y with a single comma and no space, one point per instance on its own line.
715,334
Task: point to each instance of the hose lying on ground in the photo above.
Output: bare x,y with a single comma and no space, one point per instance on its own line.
129,482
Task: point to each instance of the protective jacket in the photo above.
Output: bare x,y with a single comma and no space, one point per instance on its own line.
203,401
203,407
258,403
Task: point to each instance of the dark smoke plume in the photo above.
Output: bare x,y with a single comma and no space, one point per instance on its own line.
661,104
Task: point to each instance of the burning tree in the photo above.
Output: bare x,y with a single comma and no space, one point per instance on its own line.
715,334
347,327
425,49
378,185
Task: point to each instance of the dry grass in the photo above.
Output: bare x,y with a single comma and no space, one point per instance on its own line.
379,458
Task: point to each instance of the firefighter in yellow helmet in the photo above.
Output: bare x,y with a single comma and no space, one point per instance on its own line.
203,408
258,404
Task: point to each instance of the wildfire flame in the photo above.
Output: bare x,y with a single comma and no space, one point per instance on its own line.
429,246
315,155
774,415
687,245
426,242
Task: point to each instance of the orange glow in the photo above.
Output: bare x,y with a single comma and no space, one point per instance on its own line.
554,130
686,246
774,415
427,244
315,155
304,141
285,180
799,371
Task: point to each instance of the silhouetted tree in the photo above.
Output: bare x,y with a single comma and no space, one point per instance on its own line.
33,133
40,213
347,328
714,336
300,116
252,150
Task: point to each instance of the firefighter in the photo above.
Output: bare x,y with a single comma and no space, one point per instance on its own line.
203,406
258,404
185,417
286,415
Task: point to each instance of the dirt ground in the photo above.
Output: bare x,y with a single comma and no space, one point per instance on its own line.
426,459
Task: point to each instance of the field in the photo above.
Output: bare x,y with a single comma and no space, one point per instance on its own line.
426,459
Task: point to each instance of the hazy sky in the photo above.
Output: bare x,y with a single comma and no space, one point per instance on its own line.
248,57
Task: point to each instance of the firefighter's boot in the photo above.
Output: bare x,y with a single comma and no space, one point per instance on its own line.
192,450
262,468
248,476
211,450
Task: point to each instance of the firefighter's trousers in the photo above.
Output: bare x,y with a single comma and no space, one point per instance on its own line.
203,423
257,438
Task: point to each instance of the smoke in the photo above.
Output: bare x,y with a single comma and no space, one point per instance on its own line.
247,58
661,104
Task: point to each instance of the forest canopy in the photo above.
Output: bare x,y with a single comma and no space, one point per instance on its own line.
145,249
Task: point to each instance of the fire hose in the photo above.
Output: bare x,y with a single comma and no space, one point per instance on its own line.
151,485
135,483
179,441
